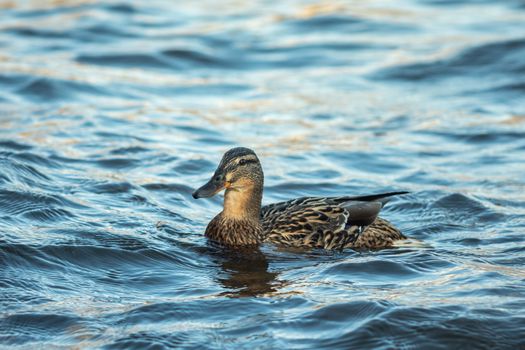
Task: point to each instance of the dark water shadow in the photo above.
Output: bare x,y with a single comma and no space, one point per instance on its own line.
244,272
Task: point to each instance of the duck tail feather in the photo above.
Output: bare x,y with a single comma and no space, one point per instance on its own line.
381,197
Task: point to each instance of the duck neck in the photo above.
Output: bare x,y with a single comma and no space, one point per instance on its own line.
243,203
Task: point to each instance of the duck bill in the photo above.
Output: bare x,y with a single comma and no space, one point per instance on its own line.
209,189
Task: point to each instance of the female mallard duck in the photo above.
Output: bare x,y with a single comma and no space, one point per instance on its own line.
311,222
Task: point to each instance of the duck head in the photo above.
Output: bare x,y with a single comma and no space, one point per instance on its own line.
239,172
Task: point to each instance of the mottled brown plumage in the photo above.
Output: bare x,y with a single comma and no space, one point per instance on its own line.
227,231
309,222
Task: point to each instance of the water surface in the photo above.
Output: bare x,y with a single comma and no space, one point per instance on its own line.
111,113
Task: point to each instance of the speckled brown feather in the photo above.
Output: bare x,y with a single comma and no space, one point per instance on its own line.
308,222
234,232
380,234
322,223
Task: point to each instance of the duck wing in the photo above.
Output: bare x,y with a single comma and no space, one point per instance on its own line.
330,223
381,197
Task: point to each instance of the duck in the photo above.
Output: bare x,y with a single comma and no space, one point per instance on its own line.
331,223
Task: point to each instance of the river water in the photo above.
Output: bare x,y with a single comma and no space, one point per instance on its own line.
111,113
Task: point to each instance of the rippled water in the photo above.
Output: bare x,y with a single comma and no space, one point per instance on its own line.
111,113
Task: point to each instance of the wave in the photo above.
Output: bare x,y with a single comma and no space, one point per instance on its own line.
502,57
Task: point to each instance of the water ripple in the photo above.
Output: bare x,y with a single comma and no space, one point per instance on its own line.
492,58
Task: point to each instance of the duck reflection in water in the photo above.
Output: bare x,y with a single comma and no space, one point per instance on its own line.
244,272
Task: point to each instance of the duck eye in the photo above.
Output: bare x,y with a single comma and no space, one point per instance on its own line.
217,178
242,161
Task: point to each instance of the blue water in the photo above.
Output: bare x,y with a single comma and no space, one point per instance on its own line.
111,113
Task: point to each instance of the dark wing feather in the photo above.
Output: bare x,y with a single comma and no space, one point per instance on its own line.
381,197
362,213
